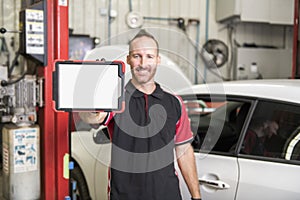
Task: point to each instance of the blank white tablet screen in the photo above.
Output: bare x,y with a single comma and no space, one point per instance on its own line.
88,86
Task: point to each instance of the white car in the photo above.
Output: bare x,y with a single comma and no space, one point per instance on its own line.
221,115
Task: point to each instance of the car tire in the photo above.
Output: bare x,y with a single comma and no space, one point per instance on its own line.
81,190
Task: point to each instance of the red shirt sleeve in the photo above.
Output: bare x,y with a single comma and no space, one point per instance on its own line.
184,133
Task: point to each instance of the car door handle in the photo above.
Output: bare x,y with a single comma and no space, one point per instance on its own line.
214,183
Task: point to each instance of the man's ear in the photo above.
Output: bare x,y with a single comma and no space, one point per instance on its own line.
127,59
158,59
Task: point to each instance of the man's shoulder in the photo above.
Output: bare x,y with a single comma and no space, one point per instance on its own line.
172,96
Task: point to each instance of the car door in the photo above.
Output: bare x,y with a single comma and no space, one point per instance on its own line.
217,175
274,172
216,123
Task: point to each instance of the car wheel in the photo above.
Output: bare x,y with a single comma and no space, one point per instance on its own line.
81,190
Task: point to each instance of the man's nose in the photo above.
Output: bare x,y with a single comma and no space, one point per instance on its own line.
143,61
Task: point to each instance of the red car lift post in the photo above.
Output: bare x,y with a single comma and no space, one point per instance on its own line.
54,125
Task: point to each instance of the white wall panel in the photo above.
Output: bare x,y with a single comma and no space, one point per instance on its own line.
102,20
90,16
164,8
195,10
174,8
76,12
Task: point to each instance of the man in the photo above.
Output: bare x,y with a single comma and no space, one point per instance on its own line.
144,136
259,131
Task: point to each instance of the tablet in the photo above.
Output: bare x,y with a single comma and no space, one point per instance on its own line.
88,85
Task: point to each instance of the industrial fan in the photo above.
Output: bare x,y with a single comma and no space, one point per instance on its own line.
214,53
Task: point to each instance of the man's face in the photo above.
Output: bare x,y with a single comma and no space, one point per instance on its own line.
143,59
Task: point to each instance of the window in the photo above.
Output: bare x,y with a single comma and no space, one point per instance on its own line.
216,122
273,131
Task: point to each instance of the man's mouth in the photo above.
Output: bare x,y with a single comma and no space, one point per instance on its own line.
141,70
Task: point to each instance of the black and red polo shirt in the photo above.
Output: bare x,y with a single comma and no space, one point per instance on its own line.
143,140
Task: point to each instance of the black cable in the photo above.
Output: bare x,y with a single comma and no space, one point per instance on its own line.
13,64
4,49
6,83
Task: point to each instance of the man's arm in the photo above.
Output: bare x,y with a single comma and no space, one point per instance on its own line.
93,117
187,165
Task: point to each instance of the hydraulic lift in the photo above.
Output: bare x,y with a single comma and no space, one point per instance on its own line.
44,34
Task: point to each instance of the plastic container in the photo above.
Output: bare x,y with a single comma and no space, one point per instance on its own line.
21,162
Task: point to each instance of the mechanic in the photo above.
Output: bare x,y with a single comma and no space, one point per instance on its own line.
144,136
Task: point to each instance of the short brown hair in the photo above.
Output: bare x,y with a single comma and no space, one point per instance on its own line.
144,33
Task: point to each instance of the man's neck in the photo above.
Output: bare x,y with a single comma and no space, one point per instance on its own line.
147,88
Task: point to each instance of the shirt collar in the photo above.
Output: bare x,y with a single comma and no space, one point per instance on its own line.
130,88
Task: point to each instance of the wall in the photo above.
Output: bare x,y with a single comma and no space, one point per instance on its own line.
94,21
91,17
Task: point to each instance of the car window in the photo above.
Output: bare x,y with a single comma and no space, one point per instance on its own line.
216,122
273,131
